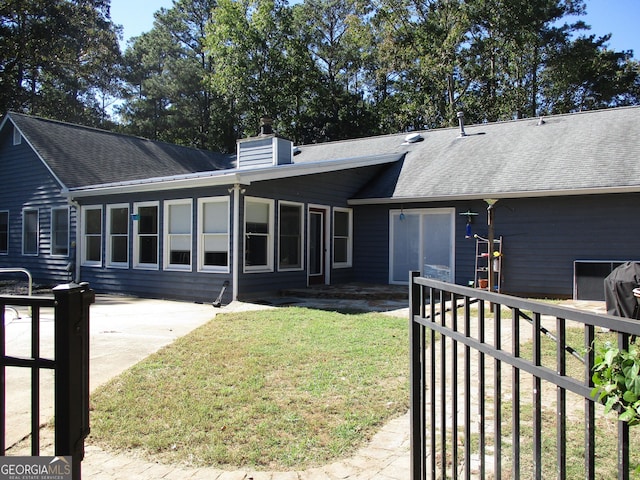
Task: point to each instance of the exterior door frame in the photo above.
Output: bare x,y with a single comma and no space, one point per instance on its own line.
322,278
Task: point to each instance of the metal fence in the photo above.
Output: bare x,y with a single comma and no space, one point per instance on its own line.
501,387
70,304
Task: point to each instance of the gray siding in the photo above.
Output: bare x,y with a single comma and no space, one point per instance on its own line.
371,244
28,184
542,238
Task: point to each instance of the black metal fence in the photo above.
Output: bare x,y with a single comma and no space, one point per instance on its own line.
70,304
501,387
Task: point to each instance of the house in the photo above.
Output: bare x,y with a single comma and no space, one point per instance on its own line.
138,217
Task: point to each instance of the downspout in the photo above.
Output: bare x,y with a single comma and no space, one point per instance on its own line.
236,241
76,260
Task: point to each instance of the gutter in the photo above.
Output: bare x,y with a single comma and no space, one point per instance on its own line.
235,249
76,205
482,196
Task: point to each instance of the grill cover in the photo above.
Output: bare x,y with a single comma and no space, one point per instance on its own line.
618,289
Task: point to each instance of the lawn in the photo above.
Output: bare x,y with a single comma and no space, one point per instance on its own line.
273,389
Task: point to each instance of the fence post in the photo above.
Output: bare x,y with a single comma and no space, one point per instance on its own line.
416,366
72,371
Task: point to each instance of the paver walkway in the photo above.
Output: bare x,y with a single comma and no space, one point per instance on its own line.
386,457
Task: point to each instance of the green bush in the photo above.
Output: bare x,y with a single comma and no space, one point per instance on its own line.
616,381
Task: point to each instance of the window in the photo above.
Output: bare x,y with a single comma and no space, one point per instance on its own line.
17,138
213,234
342,237
290,222
92,236
145,245
30,228
177,233
118,235
60,231
4,233
258,241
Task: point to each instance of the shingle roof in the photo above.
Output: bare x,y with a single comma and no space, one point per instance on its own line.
587,152
82,156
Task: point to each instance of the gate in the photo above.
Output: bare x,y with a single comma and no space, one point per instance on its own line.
484,407
70,365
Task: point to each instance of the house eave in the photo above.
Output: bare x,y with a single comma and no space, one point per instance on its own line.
227,177
502,195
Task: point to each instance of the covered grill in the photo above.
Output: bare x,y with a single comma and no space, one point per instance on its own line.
619,294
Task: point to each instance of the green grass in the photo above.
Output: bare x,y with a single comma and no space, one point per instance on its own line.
272,389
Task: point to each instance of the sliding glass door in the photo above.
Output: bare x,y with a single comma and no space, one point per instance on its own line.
422,240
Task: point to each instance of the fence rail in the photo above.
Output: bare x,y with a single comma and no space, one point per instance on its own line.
488,402
70,304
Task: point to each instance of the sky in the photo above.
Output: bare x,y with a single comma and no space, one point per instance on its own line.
618,17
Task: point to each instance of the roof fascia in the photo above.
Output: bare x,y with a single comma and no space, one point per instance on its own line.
26,139
4,120
505,195
228,177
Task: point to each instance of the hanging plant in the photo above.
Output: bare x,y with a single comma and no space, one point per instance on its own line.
616,381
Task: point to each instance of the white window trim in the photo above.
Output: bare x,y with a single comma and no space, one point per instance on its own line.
55,209
302,230
421,212
83,257
17,137
136,237
37,212
8,230
167,243
269,266
109,236
349,262
201,234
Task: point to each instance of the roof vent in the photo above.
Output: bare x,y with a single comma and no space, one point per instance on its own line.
460,116
541,121
296,151
413,138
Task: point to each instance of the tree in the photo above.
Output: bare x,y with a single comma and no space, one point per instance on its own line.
169,95
584,75
420,44
510,43
146,105
254,61
334,33
53,56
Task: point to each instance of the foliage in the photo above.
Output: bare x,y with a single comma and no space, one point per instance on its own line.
167,72
324,70
616,380
58,58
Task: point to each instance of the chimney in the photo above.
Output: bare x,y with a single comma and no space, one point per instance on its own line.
460,116
266,126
